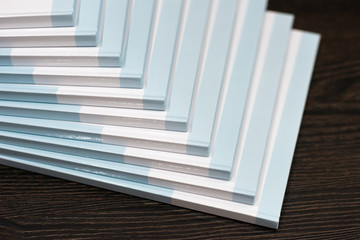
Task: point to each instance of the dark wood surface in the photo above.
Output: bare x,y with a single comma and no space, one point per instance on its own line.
323,194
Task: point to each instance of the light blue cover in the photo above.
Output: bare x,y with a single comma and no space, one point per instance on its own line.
231,120
159,71
254,148
113,41
210,87
89,24
64,12
278,171
185,73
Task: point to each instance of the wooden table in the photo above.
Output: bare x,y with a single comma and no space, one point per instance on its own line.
323,194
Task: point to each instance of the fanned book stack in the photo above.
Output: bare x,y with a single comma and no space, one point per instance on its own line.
192,103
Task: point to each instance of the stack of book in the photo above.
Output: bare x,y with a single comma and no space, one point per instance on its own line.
192,103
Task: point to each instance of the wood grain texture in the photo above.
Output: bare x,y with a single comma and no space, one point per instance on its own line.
323,195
